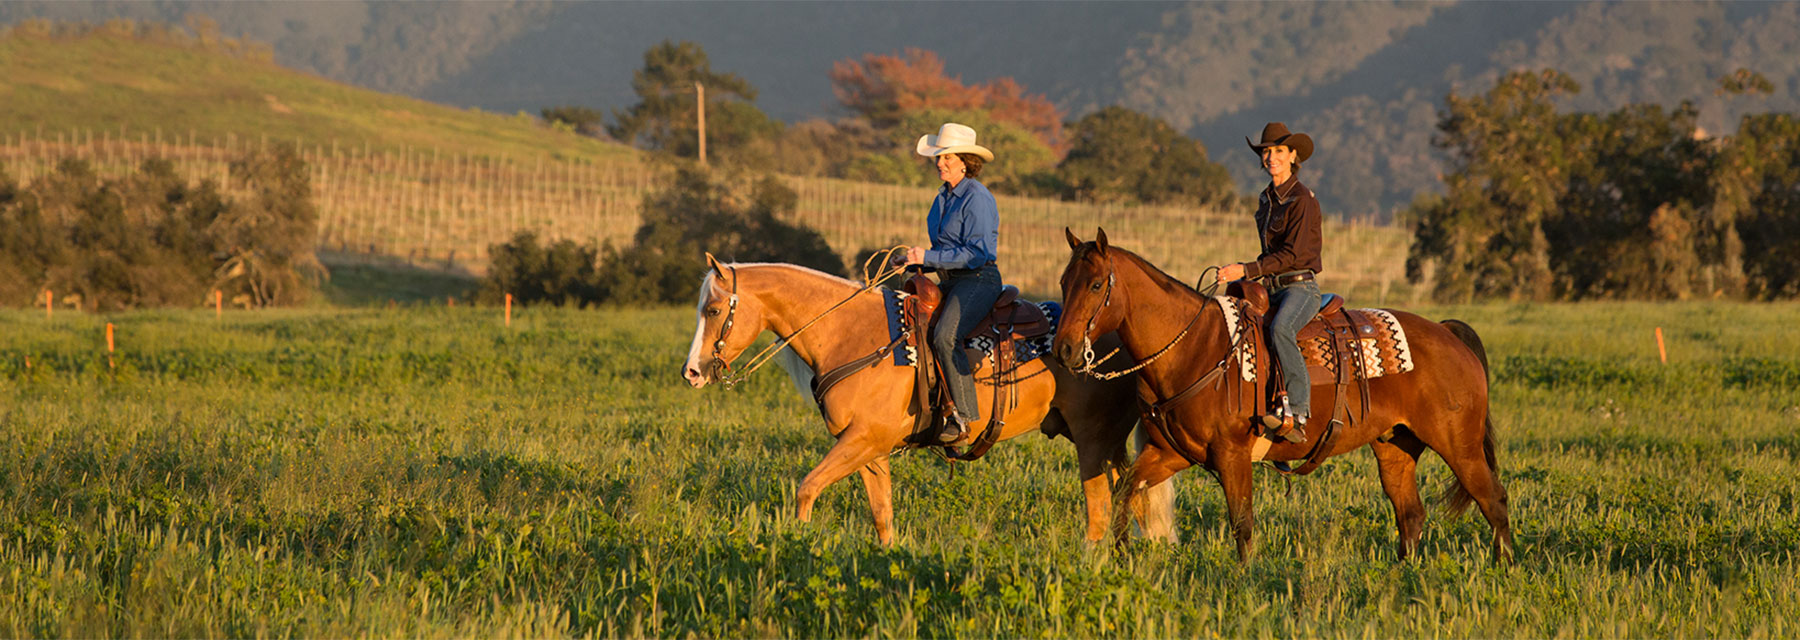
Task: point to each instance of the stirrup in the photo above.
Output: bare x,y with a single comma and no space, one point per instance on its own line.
953,430
1297,434
1283,426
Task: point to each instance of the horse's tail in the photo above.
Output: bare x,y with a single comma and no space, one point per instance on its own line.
1457,498
1156,511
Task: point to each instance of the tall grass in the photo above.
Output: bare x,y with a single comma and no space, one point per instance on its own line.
428,472
445,209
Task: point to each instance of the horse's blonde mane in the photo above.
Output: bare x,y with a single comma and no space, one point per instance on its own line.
805,270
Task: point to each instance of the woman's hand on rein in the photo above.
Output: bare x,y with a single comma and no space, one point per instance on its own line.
913,255
1230,272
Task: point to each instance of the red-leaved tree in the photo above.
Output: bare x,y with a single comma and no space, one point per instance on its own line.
885,87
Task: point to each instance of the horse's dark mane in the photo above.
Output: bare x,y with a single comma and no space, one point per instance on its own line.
1164,279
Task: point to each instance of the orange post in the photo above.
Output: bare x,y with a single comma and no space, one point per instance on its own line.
1661,351
47,299
218,304
509,309
109,345
450,300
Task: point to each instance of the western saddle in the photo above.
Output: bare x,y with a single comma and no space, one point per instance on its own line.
1334,326
1011,320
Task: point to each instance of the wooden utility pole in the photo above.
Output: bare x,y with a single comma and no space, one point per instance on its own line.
700,102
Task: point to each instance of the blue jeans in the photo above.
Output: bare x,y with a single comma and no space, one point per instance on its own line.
1293,306
969,295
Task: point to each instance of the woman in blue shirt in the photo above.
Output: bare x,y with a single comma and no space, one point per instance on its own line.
964,226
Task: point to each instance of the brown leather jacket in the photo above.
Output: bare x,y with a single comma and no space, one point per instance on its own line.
1287,222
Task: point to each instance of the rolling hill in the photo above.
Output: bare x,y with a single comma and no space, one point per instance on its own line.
144,80
1365,78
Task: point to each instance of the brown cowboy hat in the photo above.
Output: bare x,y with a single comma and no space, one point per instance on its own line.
1276,133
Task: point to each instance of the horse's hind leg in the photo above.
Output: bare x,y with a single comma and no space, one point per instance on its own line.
1477,480
879,484
1398,460
1097,459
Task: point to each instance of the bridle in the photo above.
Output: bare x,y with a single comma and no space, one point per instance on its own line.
1087,341
719,363
1090,366
723,366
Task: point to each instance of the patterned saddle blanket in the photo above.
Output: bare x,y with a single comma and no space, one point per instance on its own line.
1025,350
1376,344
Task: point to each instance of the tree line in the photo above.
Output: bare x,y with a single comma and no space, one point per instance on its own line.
1638,203
1114,155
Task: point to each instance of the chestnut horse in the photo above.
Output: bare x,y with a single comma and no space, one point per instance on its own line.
871,412
1442,404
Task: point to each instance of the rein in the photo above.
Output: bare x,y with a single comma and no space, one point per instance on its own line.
730,379
1090,366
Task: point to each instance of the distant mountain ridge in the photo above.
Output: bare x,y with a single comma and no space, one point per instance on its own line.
1366,79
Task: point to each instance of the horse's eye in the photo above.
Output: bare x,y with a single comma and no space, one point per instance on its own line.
1095,287
712,313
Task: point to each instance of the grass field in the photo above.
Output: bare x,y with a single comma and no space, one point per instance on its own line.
424,471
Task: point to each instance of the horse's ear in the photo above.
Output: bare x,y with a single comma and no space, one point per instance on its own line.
713,263
1100,239
1074,242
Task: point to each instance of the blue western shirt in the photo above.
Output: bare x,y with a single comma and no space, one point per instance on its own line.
964,225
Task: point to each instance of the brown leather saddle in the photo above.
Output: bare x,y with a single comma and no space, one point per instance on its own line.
1010,321
1332,344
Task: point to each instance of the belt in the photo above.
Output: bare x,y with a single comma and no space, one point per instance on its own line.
1291,277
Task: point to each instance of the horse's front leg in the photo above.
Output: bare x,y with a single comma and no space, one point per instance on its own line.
1234,468
856,447
1154,466
879,484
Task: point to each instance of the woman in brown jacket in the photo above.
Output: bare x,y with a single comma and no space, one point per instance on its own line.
1287,223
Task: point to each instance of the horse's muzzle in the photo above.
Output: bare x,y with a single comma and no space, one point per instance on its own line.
695,378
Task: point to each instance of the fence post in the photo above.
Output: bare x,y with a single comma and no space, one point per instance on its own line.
509,309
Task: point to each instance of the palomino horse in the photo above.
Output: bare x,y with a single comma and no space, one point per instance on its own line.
871,412
1442,404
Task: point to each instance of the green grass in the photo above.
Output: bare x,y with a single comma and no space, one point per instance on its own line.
427,472
364,280
108,81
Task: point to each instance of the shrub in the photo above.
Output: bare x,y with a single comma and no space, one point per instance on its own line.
152,239
562,273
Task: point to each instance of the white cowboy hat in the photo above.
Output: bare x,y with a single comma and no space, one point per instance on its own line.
952,138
